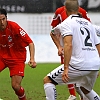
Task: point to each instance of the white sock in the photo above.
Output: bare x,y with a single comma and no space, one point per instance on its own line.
50,91
92,95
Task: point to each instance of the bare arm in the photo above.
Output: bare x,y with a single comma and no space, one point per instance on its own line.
67,56
56,40
32,62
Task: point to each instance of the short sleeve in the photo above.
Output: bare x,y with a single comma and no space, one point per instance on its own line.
66,29
56,30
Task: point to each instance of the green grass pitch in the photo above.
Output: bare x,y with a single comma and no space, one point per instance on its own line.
33,83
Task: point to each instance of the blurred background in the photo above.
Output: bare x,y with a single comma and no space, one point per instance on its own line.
44,6
35,17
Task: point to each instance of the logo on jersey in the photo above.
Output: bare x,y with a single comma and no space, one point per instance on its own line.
22,32
9,38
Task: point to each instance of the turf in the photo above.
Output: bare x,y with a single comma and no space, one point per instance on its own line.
33,83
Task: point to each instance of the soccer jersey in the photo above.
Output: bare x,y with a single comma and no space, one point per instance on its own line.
60,15
13,41
84,53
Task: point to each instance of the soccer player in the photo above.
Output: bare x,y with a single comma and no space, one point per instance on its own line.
13,40
81,54
60,16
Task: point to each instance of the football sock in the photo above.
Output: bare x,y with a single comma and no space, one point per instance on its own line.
92,95
71,89
62,59
50,91
21,94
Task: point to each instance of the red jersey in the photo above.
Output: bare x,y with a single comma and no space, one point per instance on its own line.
60,15
13,41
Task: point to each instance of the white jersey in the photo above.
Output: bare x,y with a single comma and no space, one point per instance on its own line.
84,53
97,28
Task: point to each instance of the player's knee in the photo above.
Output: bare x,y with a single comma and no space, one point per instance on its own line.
46,80
15,86
85,91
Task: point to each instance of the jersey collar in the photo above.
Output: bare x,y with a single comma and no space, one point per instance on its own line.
74,15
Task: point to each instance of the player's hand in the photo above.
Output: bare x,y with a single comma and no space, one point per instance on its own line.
60,51
65,77
32,64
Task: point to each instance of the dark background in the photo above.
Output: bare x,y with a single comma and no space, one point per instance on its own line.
27,6
37,6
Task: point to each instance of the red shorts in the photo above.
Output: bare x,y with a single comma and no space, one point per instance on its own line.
15,67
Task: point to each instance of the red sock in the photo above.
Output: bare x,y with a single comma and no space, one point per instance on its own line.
62,59
71,89
21,94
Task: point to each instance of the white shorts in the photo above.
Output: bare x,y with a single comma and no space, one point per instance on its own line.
83,78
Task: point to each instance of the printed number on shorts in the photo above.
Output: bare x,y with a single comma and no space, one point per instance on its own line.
22,32
85,30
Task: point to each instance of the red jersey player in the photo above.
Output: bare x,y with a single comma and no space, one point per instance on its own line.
13,40
60,16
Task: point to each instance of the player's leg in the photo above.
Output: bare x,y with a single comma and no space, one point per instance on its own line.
81,94
91,95
50,82
17,73
72,90
88,86
79,91
54,78
16,85
70,86
50,89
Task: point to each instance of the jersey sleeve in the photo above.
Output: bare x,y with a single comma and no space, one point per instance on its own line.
56,30
25,37
21,36
56,19
84,13
66,30
63,29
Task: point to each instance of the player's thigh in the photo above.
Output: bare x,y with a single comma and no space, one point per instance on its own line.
16,80
89,80
56,74
75,76
16,68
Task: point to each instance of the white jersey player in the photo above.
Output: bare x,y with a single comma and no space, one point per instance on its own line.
81,55
97,29
84,52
